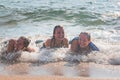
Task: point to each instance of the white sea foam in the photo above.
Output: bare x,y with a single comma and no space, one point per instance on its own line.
109,53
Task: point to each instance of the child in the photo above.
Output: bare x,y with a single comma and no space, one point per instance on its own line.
20,44
11,53
58,40
83,44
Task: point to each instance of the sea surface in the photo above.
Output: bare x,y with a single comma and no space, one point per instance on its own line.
36,20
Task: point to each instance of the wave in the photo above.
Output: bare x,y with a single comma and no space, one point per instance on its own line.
79,16
64,54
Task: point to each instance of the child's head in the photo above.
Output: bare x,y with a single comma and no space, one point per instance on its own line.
58,32
22,42
84,39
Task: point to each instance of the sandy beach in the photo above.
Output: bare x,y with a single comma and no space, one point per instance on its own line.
50,78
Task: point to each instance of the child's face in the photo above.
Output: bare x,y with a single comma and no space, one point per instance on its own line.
83,40
20,44
59,34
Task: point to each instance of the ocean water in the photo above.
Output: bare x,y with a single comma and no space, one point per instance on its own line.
36,19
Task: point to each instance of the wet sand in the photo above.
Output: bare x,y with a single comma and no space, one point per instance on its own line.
14,77
61,71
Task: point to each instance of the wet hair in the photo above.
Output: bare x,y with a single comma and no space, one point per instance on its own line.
87,34
26,41
53,38
57,26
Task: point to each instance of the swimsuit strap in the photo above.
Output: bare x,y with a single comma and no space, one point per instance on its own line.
53,44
